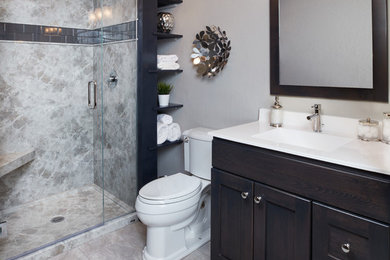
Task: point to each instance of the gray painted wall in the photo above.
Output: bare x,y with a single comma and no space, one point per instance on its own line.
234,96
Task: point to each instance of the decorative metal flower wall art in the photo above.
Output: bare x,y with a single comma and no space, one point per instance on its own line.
211,51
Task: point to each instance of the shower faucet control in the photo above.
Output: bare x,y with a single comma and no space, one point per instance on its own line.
113,79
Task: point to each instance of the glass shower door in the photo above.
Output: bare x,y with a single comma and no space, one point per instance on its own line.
48,129
117,68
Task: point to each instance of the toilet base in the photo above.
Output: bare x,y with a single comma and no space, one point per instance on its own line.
179,240
188,247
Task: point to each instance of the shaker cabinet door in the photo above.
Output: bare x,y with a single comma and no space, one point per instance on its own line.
282,225
231,217
339,235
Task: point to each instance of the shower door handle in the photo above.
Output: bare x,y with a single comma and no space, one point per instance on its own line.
92,88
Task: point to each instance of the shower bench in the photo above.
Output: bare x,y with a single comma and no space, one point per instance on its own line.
12,161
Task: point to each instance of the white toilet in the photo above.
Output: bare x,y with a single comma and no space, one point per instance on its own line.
176,208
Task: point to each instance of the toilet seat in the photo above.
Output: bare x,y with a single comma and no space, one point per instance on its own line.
170,189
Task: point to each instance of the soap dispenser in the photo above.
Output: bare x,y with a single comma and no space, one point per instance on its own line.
276,119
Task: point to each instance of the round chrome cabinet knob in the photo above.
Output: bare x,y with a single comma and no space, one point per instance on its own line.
244,195
257,199
346,248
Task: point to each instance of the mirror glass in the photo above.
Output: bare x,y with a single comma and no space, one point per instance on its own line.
326,43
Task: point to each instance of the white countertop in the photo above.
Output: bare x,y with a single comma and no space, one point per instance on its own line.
369,156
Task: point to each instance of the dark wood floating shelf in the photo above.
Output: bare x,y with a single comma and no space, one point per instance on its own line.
166,144
163,36
171,106
163,3
166,71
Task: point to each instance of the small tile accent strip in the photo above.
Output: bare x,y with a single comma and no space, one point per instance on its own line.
53,34
118,32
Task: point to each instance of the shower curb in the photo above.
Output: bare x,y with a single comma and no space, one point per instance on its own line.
78,239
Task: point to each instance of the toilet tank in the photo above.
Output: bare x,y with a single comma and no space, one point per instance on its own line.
197,152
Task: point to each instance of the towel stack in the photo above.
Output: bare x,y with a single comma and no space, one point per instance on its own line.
166,129
167,62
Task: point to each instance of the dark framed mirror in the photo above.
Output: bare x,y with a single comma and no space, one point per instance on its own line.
336,49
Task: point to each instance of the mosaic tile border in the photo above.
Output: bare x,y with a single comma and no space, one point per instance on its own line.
53,34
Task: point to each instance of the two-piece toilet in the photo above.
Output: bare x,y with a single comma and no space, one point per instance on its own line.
176,208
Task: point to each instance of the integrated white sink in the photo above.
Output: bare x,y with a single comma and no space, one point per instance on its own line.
310,140
338,143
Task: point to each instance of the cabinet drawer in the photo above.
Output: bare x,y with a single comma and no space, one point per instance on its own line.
340,235
361,192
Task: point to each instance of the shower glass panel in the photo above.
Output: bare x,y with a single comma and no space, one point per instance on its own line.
67,119
116,63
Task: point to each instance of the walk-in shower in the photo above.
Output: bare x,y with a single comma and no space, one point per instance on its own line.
68,80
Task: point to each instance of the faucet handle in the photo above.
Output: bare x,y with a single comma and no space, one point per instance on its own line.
317,108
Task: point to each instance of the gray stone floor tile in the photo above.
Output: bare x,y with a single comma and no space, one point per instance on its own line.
124,244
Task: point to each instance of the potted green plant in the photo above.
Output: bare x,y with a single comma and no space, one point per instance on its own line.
163,89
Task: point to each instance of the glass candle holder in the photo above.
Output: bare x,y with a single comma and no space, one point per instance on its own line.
386,128
368,130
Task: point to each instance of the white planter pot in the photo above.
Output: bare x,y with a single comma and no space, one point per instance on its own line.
163,100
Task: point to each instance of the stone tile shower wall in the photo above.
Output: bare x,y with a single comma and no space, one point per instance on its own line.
43,105
43,97
118,11
67,13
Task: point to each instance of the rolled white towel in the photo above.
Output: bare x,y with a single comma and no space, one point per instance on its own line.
168,66
162,132
165,119
174,132
167,58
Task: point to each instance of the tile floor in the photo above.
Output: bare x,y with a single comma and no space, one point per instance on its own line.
126,243
29,225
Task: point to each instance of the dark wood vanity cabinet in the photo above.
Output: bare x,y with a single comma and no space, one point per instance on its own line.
340,235
232,216
281,225
267,205
254,221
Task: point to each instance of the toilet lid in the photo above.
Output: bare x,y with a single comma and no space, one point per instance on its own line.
170,187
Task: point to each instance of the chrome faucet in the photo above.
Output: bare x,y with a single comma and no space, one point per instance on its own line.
316,118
